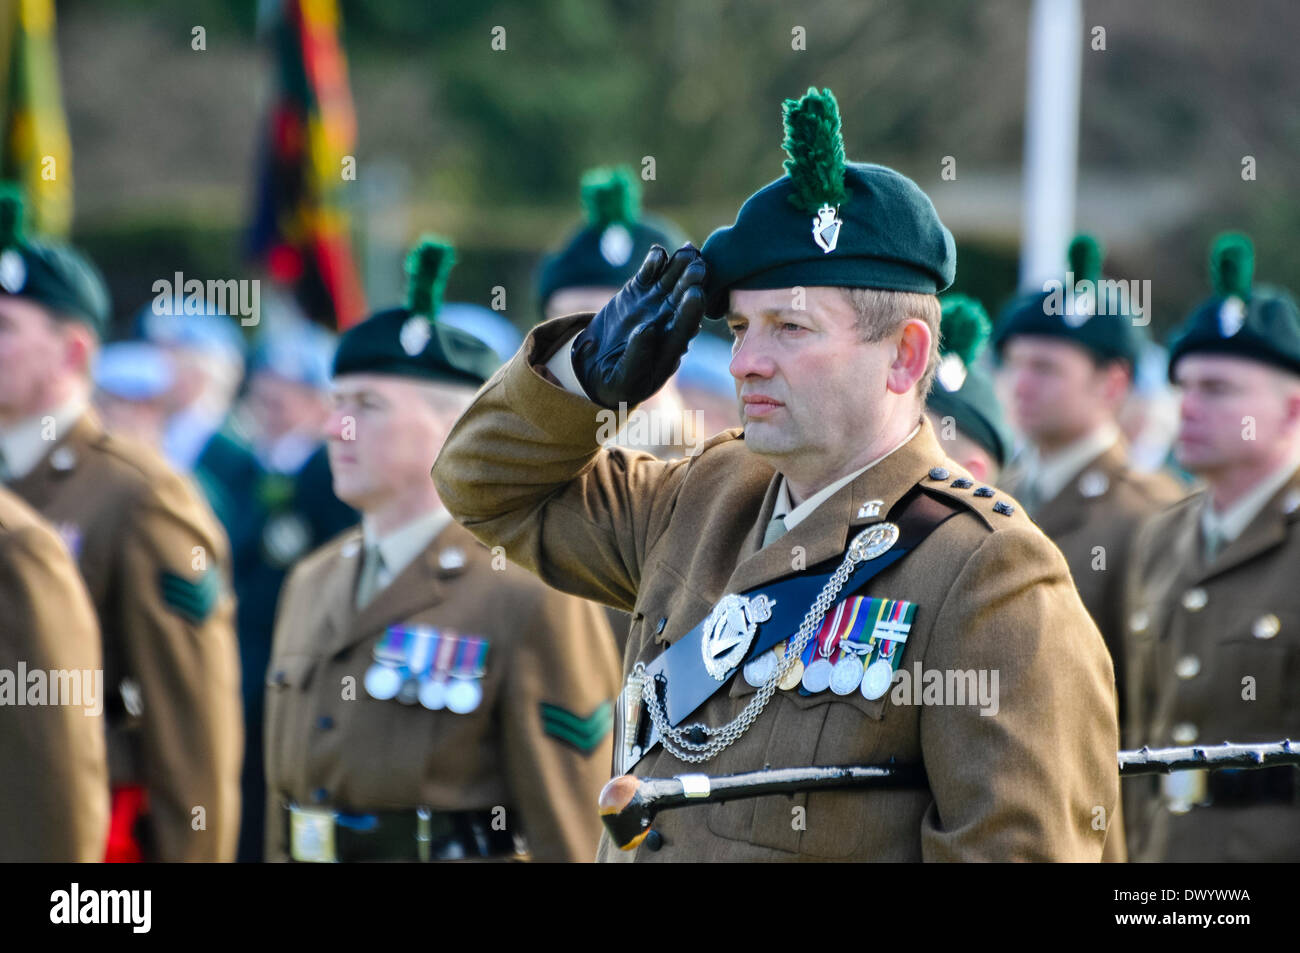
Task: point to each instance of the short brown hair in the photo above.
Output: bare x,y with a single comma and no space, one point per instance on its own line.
881,313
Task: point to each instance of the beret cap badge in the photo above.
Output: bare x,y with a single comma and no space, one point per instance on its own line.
815,147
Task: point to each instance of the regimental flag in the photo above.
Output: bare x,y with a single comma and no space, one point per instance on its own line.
300,230
34,151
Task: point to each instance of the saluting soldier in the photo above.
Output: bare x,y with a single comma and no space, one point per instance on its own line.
1214,606
1069,365
54,800
963,406
774,623
425,699
153,558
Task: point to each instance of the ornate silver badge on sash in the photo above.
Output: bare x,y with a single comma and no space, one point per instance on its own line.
729,631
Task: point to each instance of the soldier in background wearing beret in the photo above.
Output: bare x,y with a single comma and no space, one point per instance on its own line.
827,280
963,406
153,557
54,800
1214,608
1068,365
425,699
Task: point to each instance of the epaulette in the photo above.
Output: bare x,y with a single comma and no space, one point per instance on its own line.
996,508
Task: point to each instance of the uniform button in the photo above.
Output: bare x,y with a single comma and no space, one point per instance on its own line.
1266,626
1093,484
1187,667
1139,621
1194,600
938,473
654,840
324,722
1184,733
279,677
320,795
63,459
659,626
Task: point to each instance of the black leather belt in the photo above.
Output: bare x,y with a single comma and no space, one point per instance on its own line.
1242,788
412,835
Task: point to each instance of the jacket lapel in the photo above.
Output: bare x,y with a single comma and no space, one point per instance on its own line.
1267,530
416,588
38,487
1069,509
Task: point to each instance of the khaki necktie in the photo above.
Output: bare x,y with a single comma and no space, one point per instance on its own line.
775,530
368,584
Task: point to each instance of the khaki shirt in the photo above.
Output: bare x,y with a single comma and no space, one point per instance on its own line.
1214,656
522,469
329,743
155,563
54,797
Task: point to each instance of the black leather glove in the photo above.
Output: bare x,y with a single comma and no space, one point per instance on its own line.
634,344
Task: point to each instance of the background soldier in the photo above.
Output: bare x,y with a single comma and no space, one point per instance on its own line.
1067,376
425,700
1215,609
152,556
54,800
835,443
962,405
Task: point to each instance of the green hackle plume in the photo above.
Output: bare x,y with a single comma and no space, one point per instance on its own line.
11,215
1232,265
816,150
1085,257
427,267
964,328
611,195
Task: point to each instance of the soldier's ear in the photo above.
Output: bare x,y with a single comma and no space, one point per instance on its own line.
911,356
80,346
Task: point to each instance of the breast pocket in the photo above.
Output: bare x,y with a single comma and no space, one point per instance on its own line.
795,731
1256,670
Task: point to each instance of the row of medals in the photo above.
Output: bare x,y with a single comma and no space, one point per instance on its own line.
843,677
435,691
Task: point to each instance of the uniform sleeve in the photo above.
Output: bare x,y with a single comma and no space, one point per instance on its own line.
276,839
52,756
1038,779
557,725
177,619
523,469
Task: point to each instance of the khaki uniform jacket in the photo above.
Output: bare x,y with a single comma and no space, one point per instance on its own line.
54,797
522,469
140,532
328,742
1214,650
1103,507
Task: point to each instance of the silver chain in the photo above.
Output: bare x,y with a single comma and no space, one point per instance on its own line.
675,740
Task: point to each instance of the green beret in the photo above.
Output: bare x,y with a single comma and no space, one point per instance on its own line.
962,389
409,341
53,275
828,222
1260,323
1108,337
609,248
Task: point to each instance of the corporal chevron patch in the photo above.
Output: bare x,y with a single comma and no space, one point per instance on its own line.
582,733
192,600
